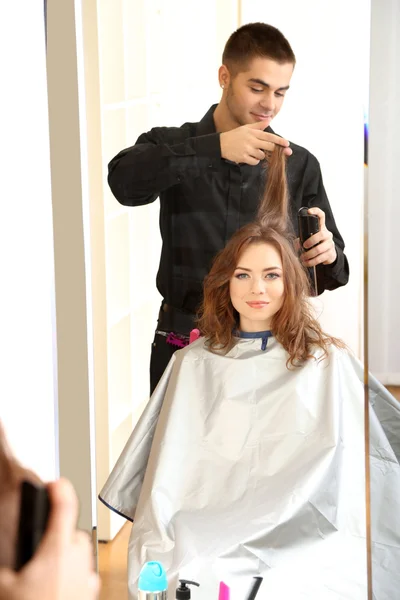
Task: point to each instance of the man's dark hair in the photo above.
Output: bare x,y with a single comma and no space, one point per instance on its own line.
256,40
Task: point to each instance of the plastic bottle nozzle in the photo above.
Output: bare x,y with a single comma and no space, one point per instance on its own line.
183,592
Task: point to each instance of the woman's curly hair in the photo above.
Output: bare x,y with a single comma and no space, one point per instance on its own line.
294,325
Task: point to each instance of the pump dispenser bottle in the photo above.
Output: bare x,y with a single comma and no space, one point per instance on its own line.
183,591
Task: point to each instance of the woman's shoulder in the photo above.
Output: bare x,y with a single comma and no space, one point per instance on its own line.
194,351
199,350
331,350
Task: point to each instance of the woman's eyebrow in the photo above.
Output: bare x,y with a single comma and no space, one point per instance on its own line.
267,269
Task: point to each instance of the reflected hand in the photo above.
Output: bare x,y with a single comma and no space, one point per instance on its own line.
62,567
325,252
12,474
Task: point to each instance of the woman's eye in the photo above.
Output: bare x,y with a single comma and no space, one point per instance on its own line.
272,276
241,275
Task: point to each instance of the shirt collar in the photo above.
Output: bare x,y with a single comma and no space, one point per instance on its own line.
253,334
207,125
263,335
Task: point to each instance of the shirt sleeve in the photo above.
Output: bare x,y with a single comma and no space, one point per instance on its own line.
329,277
159,160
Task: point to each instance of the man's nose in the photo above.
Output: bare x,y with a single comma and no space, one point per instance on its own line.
268,101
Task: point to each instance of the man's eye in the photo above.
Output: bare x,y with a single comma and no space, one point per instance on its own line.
255,90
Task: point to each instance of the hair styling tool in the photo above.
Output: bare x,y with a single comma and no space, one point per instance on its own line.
308,226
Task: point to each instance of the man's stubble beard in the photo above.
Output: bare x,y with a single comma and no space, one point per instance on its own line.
230,104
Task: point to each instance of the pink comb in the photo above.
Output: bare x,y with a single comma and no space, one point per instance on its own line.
194,335
224,591
176,340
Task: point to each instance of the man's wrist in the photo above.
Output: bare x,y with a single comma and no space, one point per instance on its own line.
208,145
338,264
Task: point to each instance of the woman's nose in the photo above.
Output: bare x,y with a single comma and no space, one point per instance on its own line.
258,286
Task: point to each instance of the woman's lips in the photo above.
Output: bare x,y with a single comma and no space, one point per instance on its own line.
257,304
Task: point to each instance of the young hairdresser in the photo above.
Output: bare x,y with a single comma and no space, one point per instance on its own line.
209,177
249,458
62,567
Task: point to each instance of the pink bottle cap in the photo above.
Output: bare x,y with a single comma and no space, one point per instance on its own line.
224,591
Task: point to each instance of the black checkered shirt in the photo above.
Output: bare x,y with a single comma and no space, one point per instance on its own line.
204,199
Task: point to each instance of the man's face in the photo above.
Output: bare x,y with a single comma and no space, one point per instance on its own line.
258,93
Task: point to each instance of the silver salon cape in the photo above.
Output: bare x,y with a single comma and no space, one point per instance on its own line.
240,467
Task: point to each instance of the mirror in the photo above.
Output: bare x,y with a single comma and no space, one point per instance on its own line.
153,70
140,65
383,284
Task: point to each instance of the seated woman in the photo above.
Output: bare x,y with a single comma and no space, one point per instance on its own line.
249,458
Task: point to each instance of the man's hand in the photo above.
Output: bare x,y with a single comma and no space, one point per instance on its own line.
325,253
63,566
248,144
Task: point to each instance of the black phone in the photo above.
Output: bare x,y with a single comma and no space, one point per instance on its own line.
33,518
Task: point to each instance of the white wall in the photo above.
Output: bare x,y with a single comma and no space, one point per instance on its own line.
187,81
27,330
383,193
323,111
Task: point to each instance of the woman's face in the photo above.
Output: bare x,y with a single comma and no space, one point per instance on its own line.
256,287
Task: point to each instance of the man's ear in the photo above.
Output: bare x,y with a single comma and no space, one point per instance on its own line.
224,77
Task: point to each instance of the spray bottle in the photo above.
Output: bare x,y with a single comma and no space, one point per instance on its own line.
153,584
308,226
